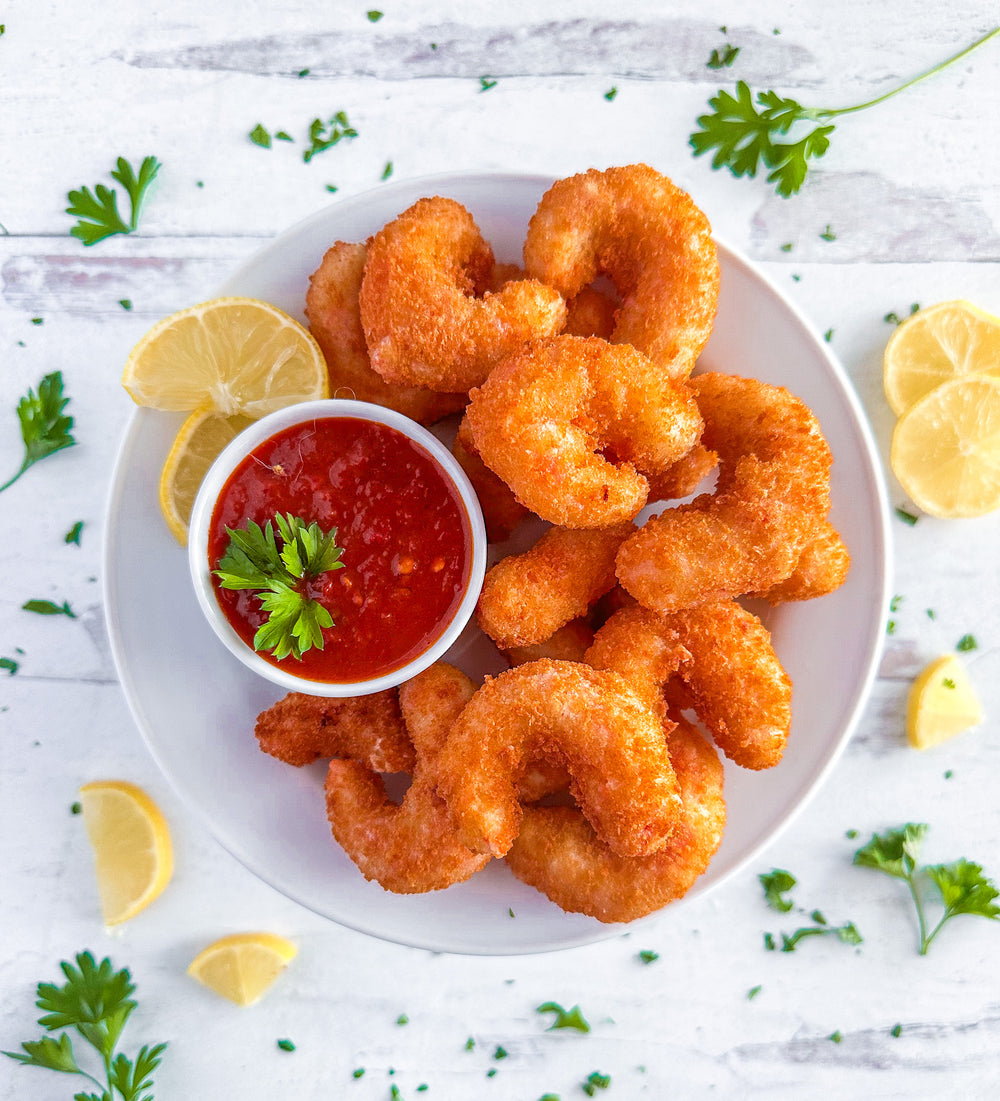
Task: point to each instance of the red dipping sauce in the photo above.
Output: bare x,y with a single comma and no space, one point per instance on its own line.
404,530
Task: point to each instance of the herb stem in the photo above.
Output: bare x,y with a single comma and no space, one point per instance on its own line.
11,481
832,113
925,941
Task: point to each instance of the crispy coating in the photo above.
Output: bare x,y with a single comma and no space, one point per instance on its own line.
684,476
299,729
409,847
423,322
821,568
563,713
527,597
558,853
590,312
334,316
502,511
567,643
633,225
773,491
545,416
729,672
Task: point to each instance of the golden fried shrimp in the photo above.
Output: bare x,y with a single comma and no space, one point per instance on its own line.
527,597
558,853
409,847
567,643
546,414
334,316
684,476
821,568
299,729
502,511
647,236
561,713
773,491
423,322
723,656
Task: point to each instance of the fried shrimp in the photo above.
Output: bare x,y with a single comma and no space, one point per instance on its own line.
423,322
558,853
729,671
773,492
821,568
299,729
561,713
409,847
567,643
502,511
335,321
546,415
647,236
527,597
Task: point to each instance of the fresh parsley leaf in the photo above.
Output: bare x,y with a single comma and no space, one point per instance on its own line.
259,135
359,1073
283,135
45,428
753,992
323,136
564,1018
648,957
73,535
97,211
724,59
10,665
48,607
828,335
961,885
610,94
775,883
769,941
500,1052
894,603
966,643
402,1019
286,1045
595,1082
470,1044
837,1036
374,16
48,1053
747,132
485,84
846,934
897,1030
253,561
38,321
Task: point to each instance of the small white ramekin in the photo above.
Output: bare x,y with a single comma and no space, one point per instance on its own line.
201,520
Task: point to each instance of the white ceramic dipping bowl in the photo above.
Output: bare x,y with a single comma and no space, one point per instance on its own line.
201,522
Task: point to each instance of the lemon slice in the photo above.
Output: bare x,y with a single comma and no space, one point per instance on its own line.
199,442
231,355
242,966
937,344
946,448
132,847
942,704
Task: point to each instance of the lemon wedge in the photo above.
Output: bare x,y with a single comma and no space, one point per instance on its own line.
946,448
199,442
230,355
242,966
942,704
936,344
132,850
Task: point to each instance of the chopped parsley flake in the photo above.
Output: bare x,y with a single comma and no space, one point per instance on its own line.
787,246
828,234
724,59
10,665
836,1037
753,992
930,613
610,94
564,1018
491,1072
485,84
948,682
948,774
890,627
331,187
906,517
325,135
125,303
283,135
894,604
470,1044
387,171
286,1045
46,607
73,535
500,1053
828,335
897,1030
38,321
374,16
510,911
775,884
394,1092
851,834
817,916
648,957
402,1019
966,643
595,1082
259,136
76,808
769,941
303,72
359,1073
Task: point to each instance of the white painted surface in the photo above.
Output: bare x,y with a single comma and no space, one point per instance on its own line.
910,189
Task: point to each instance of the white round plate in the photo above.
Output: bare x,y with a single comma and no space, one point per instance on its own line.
196,704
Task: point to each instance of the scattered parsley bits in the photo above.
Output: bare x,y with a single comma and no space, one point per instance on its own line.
302,73
491,1073
402,1019
38,321
260,136
787,246
286,1045
893,318
10,665
76,808
745,130
374,16
930,613
753,992
500,1053
595,1082
73,535
422,1088
485,84
359,1073
846,934
45,428
906,517
646,956
828,335
949,773
828,234
851,834
283,135
610,94
961,885
387,171
897,1030
549,1097
564,1018
769,942
97,210
966,643
817,916
510,912
470,1044
894,603
47,607
836,1037
394,1092
324,136
125,303
723,59
775,883
890,627
948,682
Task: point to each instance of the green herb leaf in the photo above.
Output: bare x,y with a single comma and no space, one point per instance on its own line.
48,1053
47,607
964,889
775,883
846,934
647,956
753,992
45,429
387,171
374,16
595,1082
260,136
894,852
359,1073
500,1052
485,84
10,665
324,136
73,535
897,1030
402,1019
966,643
564,1018
610,94
97,211
724,59
828,234
286,1045
906,517
837,1036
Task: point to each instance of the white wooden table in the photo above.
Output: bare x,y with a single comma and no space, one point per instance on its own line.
910,189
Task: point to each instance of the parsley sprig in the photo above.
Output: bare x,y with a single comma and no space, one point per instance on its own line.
961,885
747,134
254,561
96,1002
45,428
97,210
